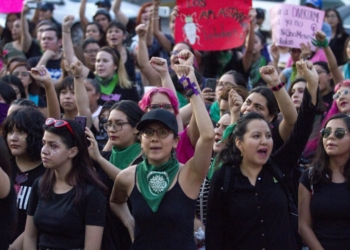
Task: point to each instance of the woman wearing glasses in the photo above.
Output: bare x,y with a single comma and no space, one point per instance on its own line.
67,206
163,192
324,202
23,132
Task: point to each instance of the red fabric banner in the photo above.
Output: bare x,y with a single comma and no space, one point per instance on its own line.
212,24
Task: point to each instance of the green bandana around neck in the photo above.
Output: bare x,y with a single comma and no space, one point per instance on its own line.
122,158
215,165
108,85
154,181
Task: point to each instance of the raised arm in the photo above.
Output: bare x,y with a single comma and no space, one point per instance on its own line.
68,49
195,170
42,75
275,53
331,60
120,16
248,54
83,20
285,104
160,65
81,95
4,184
26,38
111,170
235,102
162,39
142,58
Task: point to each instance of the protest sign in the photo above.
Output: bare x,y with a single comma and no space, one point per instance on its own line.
212,24
11,6
293,24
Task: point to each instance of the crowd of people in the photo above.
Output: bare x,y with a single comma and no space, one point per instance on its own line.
130,140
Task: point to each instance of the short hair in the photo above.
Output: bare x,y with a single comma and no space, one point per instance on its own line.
67,82
271,102
116,24
146,99
58,34
87,41
31,121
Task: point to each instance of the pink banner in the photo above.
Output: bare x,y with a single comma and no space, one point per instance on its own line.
11,6
294,24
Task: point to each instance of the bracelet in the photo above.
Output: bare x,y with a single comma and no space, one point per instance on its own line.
323,44
77,77
189,93
278,87
191,86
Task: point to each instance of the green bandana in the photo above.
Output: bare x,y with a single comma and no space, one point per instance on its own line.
122,158
215,165
229,130
107,85
154,181
294,72
254,75
214,112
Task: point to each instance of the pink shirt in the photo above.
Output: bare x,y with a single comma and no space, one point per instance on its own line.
184,150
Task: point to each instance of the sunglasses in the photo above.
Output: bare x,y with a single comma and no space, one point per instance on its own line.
20,178
338,94
338,133
58,124
160,106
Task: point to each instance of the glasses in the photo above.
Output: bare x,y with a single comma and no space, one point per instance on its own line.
338,133
338,94
116,126
58,124
160,106
161,132
91,51
331,16
20,178
175,52
23,74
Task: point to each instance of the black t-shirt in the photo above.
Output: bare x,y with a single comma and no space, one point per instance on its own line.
61,222
34,50
53,66
130,67
24,191
7,218
330,212
120,94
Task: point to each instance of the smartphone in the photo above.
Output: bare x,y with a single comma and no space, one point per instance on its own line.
163,11
211,83
81,120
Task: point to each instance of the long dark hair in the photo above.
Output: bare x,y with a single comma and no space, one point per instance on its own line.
82,172
14,80
340,29
321,171
230,154
30,120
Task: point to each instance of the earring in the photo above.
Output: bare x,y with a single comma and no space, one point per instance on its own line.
144,156
173,154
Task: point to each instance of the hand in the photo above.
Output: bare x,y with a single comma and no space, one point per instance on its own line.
235,101
67,23
175,11
208,95
49,54
269,75
275,52
77,69
320,36
305,50
41,74
160,65
186,57
183,70
306,70
141,30
94,152
252,15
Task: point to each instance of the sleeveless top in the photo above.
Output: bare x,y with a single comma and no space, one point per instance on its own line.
171,227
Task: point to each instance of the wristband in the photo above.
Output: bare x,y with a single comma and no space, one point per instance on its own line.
319,44
77,77
189,93
191,86
278,87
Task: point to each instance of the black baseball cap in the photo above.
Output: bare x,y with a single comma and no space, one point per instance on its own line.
47,6
159,115
103,4
103,12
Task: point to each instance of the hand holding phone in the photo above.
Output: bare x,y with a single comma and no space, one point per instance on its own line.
81,120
